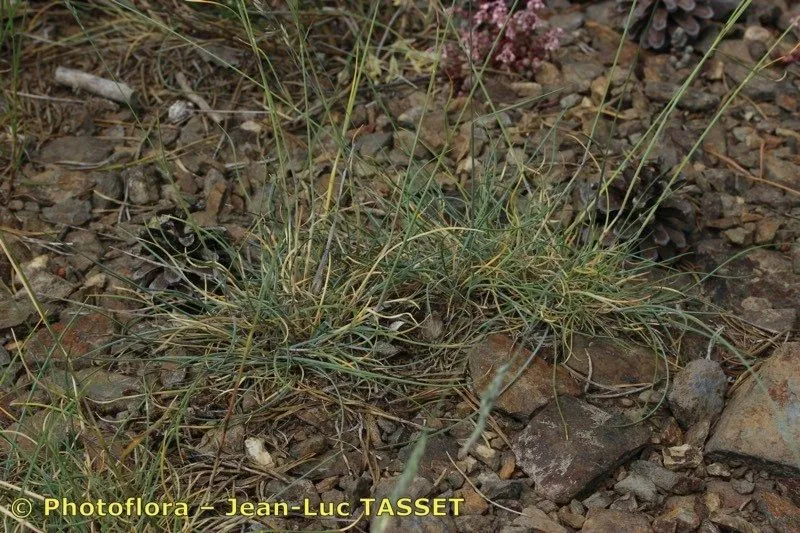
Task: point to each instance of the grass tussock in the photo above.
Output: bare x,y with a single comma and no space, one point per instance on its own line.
354,291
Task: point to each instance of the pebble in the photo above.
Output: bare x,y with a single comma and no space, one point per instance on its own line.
698,392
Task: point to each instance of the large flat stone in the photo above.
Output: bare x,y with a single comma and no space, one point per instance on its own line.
566,467
761,423
535,385
614,363
87,150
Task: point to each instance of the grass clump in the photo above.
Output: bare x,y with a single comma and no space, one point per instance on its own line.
356,288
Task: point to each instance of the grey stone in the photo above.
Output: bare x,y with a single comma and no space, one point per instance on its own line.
599,500
640,486
743,486
313,445
612,521
569,21
421,523
141,184
419,487
87,150
698,392
692,100
435,458
578,76
371,144
109,392
761,423
667,480
495,488
565,468
47,427
108,188
70,212
535,519
759,311
470,523
295,493
569,101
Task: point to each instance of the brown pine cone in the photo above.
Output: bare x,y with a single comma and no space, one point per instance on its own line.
657,24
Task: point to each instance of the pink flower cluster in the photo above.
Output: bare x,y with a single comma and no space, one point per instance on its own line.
509,39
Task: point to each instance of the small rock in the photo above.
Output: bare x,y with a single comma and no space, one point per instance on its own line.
172,374
179,111
298,492
473,502
682,457
740,236
611,521
535,519
495,488
674,482
599,500
562,469
421,523
729,498
509,464
86,150
680,514
782,514
80,339
625,503
760,422
435,458
371,144
614,363
570,101
578,75
698,392
743,486
467,523
419,487
70,212
408,144
766,228
718,470
569,21
533,388
781,170
640,486
759,311
310,447
735,523
110,392
141,185
796,259
486,455
45,426
571,519
548,75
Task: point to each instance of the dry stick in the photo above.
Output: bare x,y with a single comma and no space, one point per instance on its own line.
735,166
110,89
198,100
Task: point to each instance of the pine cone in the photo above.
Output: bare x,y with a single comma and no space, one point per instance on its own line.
670,228
179,254
665,22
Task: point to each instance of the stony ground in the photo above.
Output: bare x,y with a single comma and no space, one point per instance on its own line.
719,451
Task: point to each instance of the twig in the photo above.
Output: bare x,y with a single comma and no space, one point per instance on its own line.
198,100
735,166
110,89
